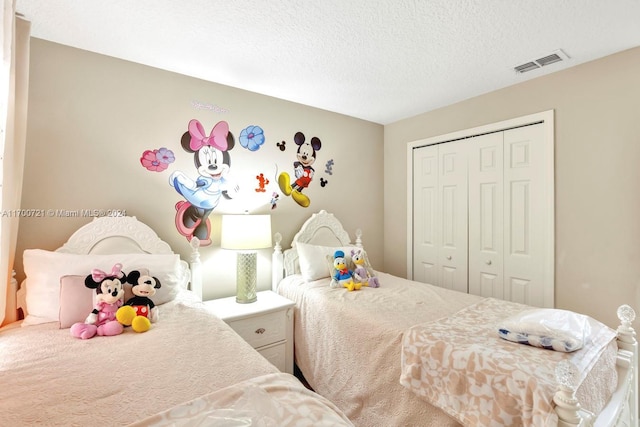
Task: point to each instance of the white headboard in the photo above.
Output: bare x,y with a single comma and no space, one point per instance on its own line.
122,235
109,235
321,228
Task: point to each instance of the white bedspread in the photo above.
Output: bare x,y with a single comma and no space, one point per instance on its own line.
49,378
273,400
348,345
331,323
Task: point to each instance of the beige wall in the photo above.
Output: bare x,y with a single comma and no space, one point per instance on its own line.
597,178
91,117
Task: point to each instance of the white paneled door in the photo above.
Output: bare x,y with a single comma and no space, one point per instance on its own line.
440,209
482,215
486,223
425,206
526,214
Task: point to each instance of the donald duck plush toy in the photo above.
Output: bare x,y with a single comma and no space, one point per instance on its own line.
342,275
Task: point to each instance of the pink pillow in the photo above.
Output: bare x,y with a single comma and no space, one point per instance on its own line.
76,300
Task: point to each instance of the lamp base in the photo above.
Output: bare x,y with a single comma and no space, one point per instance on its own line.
246,277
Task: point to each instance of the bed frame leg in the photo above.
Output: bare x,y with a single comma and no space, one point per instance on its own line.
570,414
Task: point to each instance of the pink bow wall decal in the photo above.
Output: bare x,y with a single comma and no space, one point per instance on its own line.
217,138
99,275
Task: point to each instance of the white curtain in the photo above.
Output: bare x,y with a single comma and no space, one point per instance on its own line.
14,83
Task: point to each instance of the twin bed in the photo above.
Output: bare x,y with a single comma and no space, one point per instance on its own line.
190,368
412,354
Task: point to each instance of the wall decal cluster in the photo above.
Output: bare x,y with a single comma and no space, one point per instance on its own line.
214,180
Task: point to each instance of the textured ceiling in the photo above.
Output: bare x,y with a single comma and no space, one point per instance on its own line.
378,60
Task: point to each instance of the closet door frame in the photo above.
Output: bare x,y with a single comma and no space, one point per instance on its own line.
546,118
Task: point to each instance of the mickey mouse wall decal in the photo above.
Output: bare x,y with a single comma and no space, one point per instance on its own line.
303,171
262,182
213,163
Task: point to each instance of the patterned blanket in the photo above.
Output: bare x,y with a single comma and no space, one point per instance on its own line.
460,364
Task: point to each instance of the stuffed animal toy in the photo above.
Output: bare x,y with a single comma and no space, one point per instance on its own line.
342,275
139,311
109,298
363,273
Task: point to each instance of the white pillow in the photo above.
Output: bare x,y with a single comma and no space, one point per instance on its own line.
549,328
313,259
44,269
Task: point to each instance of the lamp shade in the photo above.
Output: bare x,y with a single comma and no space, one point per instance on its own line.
245,232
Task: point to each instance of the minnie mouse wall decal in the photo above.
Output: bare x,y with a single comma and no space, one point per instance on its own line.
213,163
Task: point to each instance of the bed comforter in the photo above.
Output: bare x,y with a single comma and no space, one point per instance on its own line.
272,400
47,377
348,345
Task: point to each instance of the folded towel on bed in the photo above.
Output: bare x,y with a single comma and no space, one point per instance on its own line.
553,329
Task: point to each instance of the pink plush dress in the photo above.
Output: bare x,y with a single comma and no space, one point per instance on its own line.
106,324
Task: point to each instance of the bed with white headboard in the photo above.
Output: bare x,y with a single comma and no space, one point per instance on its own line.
189,368
408,353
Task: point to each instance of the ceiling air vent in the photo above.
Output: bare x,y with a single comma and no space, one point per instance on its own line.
549,59
526,67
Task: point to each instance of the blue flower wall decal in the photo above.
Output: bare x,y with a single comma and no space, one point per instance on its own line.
252,137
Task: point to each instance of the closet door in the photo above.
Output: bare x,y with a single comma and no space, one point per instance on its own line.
486,224
440,254
425,206
482,213
452,220
508,215
526,216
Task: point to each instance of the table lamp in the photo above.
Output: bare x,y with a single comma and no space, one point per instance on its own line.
246,233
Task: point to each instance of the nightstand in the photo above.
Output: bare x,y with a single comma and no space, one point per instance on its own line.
266,324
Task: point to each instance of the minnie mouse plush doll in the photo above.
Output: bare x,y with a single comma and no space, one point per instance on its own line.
109,298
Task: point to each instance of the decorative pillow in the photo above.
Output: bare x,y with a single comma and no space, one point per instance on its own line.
76,300
43,270
549,328
313,260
